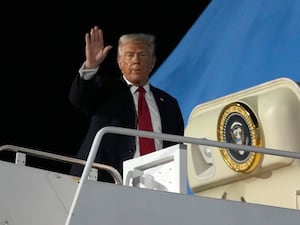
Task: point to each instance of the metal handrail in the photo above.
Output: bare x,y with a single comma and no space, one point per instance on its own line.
41,154
167,137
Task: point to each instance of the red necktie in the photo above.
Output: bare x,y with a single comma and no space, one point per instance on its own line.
144,122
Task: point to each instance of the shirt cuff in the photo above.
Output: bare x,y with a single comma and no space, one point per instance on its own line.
87,74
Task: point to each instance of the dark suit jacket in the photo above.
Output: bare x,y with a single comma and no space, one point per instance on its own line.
109,102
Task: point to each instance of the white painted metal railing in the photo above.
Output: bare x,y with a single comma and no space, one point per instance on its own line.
46,155
166,137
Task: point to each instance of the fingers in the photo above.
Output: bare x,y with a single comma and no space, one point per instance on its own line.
95,50
95,35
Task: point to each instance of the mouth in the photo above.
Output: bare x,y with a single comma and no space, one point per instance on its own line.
136,70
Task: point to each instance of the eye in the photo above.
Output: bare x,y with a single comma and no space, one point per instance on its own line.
144,55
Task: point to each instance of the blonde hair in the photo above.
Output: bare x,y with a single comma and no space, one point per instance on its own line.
147,39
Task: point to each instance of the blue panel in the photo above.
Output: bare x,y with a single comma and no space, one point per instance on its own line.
232,46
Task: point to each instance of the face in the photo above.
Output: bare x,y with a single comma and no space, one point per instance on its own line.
136,62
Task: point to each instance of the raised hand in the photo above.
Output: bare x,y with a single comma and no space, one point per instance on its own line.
95,51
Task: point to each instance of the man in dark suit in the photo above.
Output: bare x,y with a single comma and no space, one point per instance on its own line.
113,100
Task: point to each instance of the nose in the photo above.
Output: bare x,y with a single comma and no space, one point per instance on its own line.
136,57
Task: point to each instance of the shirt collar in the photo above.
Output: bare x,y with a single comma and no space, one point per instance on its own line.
133,88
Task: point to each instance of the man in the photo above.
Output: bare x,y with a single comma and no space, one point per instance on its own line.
113,100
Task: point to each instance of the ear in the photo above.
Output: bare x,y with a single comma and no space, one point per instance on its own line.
119,63
153,63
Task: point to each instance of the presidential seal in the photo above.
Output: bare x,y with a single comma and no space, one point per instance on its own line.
238,124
